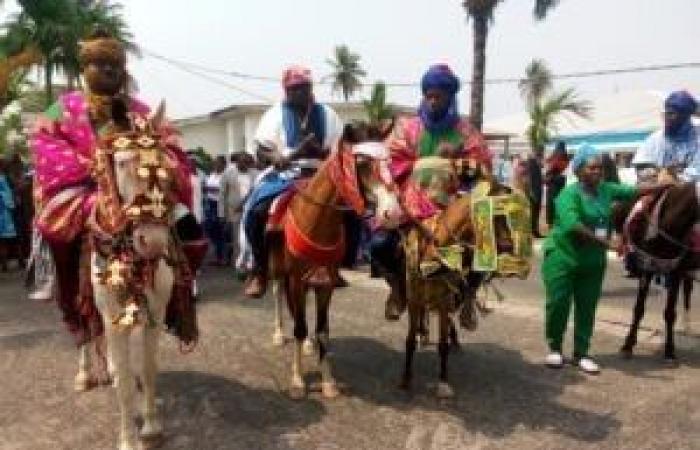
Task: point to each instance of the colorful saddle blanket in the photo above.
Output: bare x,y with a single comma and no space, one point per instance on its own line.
503,235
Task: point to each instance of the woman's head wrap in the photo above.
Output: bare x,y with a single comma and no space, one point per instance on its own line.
101,46
584,154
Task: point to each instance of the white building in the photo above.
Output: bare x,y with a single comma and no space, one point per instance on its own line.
232,129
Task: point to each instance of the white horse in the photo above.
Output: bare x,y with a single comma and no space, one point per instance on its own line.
131,279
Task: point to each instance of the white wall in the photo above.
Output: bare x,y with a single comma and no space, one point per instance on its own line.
211,135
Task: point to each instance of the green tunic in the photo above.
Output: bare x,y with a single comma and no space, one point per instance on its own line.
573,269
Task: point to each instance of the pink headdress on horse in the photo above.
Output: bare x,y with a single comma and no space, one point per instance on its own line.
296,75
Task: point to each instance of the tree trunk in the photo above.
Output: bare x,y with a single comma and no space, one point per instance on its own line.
480,33
48,83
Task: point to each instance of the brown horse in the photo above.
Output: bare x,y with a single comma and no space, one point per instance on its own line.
307,254
658,232
446,292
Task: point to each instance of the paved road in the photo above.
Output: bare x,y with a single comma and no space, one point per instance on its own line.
230,393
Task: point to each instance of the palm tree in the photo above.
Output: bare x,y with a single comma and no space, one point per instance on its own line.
53,29
537,82
376,107
347,72
545,114
481,14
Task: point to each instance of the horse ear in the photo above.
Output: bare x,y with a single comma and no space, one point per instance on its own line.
159,116
385,129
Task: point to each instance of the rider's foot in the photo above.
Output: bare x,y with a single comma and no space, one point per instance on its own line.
394,306
467,315
341,282
256,286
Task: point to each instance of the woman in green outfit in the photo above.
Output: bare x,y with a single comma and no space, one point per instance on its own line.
575,255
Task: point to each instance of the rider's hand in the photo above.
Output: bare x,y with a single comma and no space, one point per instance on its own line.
447,150
280,162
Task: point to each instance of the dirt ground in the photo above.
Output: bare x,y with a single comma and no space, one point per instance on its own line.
230,393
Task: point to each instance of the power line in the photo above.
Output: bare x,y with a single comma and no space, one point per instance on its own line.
185,65
196,72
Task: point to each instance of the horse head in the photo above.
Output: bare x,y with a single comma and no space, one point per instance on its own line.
135,183
660,228
378,190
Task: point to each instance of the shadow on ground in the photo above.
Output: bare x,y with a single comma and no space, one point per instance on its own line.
203,410
497,390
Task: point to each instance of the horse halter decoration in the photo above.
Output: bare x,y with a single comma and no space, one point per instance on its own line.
120,267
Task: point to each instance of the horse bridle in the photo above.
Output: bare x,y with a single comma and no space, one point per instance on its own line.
656,264
388,183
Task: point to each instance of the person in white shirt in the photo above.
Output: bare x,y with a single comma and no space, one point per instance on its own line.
236,184
213,215
294,136
675,147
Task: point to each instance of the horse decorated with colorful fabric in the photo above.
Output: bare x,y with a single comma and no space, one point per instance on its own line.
662,238
136,263
449,256
308,248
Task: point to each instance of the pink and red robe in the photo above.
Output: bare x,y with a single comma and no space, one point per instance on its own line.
63,144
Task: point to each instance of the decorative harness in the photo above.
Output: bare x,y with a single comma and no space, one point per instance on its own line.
120,268
342,170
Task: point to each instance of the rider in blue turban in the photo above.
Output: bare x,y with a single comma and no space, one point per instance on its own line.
678,108
439,116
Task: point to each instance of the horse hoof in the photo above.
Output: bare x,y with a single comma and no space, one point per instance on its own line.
126,445
308,348
626,353
153,439
405,385
278,339
444,390
330,389
83,383
297,392
671,362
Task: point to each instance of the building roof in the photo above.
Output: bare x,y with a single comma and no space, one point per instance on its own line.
621,112
244,108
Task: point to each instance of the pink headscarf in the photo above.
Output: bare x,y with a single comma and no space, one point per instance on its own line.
295,75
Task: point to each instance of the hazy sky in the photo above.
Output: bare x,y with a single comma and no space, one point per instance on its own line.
398,39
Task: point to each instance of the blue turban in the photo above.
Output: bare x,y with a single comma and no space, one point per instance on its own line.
681,102
440,76
584,154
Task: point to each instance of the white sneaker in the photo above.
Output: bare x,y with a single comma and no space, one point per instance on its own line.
554,360
588,365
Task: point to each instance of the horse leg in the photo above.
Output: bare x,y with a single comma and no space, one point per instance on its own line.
444,390
687,292
157,303
424,328
414,319
83,380
323,301
642,293
296,300
670,317
124,382
278,296
454,337
152,427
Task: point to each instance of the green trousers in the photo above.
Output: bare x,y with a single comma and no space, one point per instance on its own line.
564,283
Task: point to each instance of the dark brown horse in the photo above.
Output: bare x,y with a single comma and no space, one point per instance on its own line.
658,235
307,254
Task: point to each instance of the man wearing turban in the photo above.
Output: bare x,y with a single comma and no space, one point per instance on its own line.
293,137
433,155
676,146
63,145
